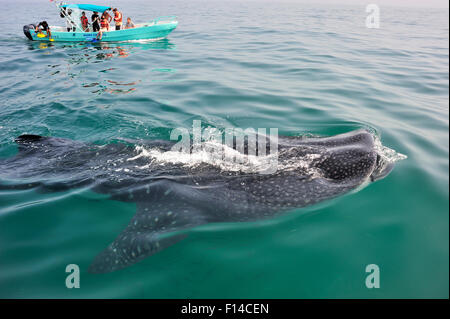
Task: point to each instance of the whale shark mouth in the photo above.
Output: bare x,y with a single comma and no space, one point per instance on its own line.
386,158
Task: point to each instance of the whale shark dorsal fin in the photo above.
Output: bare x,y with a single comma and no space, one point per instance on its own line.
28,138
28,142
154,227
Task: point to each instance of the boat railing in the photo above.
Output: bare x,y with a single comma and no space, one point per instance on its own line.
69,19
156,21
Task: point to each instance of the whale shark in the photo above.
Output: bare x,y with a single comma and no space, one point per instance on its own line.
174,194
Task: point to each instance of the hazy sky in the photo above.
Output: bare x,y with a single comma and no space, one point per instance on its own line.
402,3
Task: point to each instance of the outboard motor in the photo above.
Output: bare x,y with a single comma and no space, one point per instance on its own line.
26,30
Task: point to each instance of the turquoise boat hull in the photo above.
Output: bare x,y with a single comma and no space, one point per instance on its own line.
151,31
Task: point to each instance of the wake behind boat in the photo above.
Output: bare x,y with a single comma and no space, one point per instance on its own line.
155,29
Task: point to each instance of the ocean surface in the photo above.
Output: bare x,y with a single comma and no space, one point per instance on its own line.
302,68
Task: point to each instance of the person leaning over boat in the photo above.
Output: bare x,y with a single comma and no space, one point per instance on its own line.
84,21
117,18
95,22
43,26
107,15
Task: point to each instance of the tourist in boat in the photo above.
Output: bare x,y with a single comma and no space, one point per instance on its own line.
117,18
107,15
130,24
84,21
70,25
104,24
43,26
95,22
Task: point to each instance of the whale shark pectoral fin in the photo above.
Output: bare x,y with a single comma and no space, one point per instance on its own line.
153,228
129,248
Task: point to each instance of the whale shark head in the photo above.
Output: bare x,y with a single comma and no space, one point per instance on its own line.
350,157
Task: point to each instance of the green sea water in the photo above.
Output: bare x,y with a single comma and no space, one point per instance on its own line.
302,68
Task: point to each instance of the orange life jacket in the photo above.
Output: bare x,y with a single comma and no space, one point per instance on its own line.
118,17
104,23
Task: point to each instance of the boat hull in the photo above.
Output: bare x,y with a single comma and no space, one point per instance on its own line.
156,31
